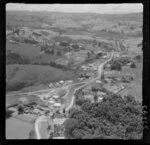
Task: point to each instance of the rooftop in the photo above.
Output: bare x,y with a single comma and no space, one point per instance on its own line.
59,121
57,104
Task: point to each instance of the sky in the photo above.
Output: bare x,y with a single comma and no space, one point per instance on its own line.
94,8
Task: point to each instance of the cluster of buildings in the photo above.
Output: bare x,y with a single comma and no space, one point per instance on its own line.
60,83
90,66
88,72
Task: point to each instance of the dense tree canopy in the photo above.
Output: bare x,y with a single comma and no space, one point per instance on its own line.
133,65
8,113
116,66
114,117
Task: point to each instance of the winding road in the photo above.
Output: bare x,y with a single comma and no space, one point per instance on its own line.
71,90
42,132
86,83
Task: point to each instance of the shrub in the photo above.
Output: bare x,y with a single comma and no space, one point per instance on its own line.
133,65
20,109
32,134
116,66
8,113
138,58
115,117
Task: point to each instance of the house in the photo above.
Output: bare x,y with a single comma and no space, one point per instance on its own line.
37,111
55,96
61,81
99,93
100,99
51,102
98,81
84,67
57,105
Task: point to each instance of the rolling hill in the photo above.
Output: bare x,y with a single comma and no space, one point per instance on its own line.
21,76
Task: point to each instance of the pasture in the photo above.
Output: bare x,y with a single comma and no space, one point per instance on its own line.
17,129
21,76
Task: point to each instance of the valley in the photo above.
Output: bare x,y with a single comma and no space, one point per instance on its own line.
67,74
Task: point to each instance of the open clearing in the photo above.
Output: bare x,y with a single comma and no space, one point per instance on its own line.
24,49
29,75
135,88
17,129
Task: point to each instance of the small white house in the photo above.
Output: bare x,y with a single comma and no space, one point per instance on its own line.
98,81
51,102
61,81
100,99
57,105
55,96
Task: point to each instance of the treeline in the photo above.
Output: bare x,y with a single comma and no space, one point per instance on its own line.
15,58
112,118
51,50
92,56
116,64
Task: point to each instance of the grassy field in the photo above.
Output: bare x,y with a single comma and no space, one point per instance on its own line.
13,98
32,75
135,88
75,23
24,49
17,129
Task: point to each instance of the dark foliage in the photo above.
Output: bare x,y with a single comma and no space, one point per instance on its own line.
116,66
138,58
114,117
15,58
133,65
8,113
20,109
32,134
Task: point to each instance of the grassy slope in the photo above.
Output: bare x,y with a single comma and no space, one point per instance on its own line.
135,88
35,74
24,49
16,129
74,23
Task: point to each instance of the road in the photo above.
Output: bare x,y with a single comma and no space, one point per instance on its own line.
38,126
100,72
71,90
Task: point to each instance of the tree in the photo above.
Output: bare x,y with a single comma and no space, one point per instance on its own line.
96,87
116,66
115,117
95,98
32,134
133,65
138,58
20,109
99,55
70,124
58,53
8,113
